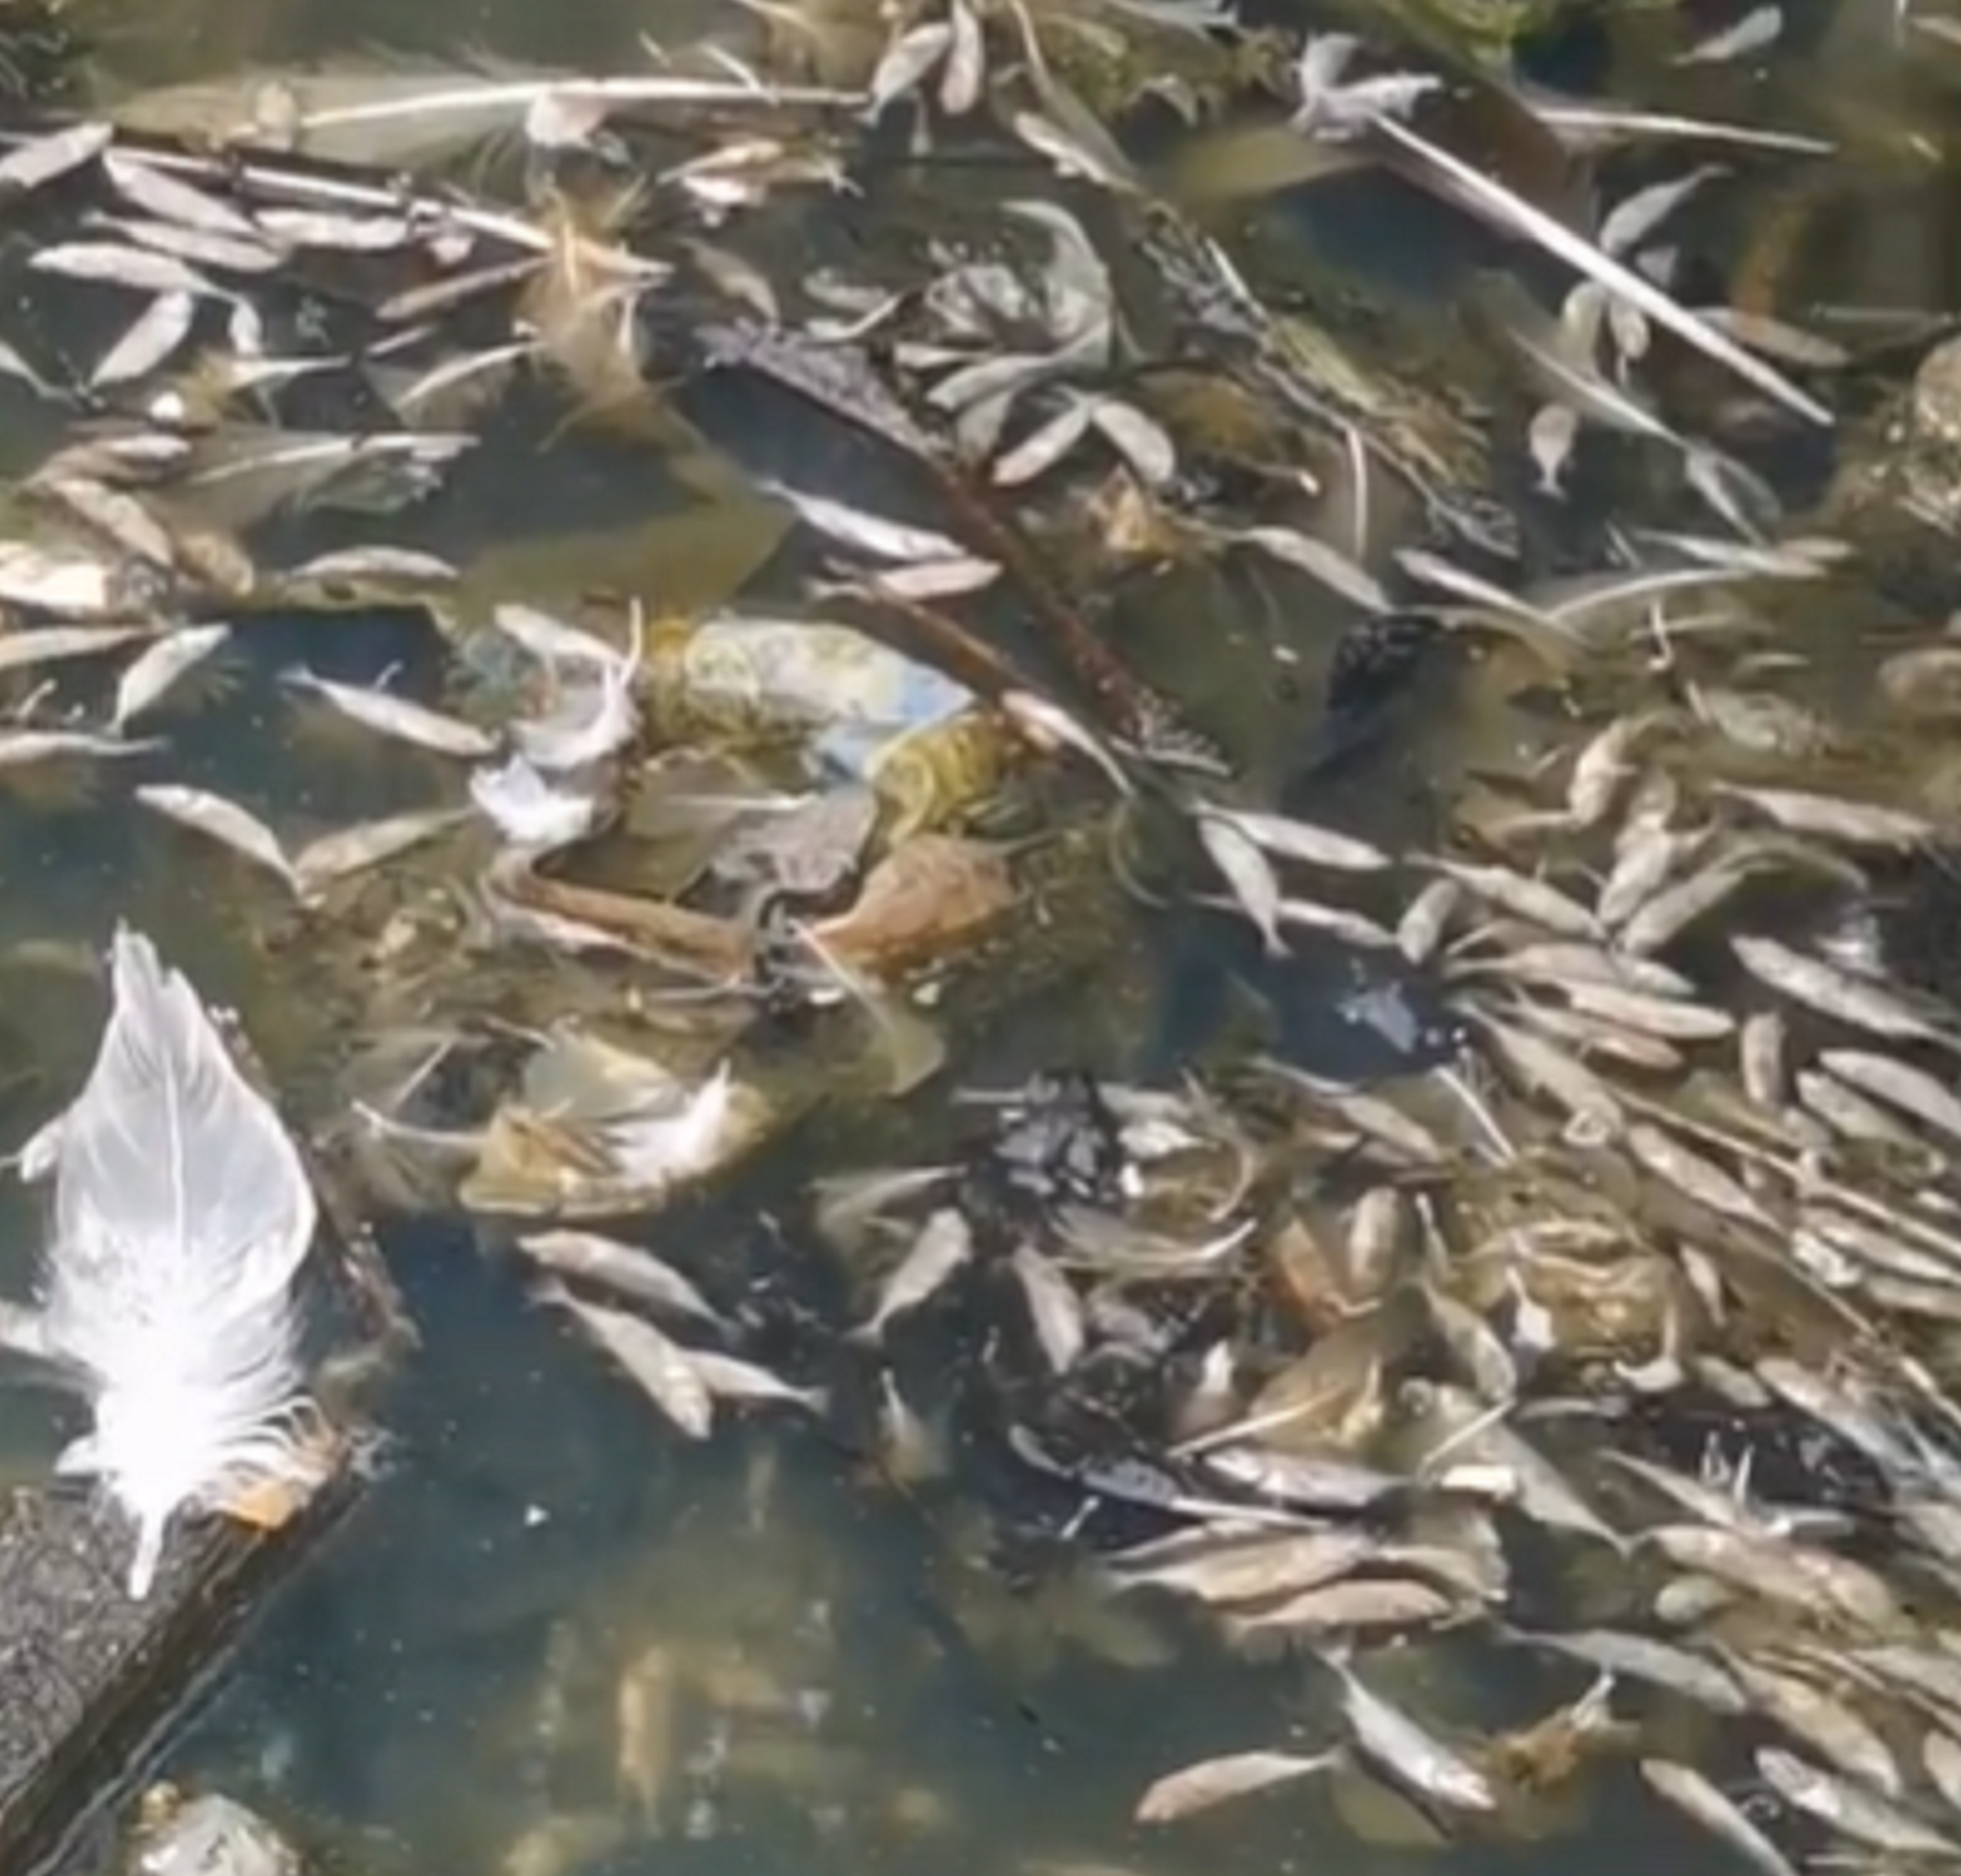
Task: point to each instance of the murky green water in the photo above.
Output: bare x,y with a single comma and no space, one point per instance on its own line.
554,1641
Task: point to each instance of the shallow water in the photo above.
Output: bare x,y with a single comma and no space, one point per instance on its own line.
781,1660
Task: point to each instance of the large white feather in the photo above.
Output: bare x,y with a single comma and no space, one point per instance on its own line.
181,1216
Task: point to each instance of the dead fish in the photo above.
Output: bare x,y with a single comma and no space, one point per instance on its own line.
1047,725
1310,1483
1663,918
1929,1676
1940,1758
1531,1062
628,1268
1912,1089
924,580
1803,1577
1851,1809
1195,1788
1699,1800
1858,1003
1563,964
849,1205
1655,1016
1468,1427
223,254
1138,1481
1256,1568
1044,447
118,265
1815,1719
1549,438
347,851
1645,859
1289,839
117,516
594,714
664,1369
1595,1036
62,582
870,534
1399,1604
944,1245
51,644
1350,927
42,159
1426,918
1607,763
158,193
731,1379
22,748
1849,1113
1533,900
224,821
1762,1059
1829,816
1758,30
1477,1350
537,814
1112,1244
1644,1657
1711,1504
911,1449
905,65
1377,1236
1402,1748
1838,1405
149,677
1055,1311
1696,1178
1245,869
397,717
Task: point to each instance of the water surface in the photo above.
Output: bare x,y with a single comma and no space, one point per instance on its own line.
554,1641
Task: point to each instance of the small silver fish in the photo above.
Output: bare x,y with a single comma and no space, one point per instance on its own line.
42,160
335,856
1828,817
1426,918
222,819
1195,1788
664,1369
1859,1002
1396,1742
1644,1657
1699,1800
399,717
730,1378
869,533
1523,898
1246,871
1054,1310
149,677
628,1268
1852,1809
944,1245
1289,839
1911,1090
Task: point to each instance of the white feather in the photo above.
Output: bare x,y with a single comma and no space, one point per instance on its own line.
181,1216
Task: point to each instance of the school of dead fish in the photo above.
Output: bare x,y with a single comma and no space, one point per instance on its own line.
1335,1369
